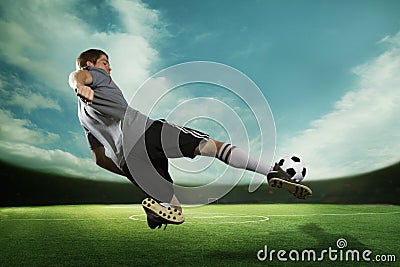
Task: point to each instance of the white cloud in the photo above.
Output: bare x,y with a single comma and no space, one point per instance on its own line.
31,101
131,58
22,131
13,92
25,45
139,18
205,36
54,161
19,144
42,39
362,132
51,56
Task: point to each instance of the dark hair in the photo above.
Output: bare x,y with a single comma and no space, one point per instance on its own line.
91,55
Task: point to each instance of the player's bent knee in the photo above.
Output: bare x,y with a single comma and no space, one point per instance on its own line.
208,148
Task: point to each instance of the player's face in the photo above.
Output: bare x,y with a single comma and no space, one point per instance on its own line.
103,63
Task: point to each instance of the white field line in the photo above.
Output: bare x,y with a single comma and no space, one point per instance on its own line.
134,206
210,216
263,218
59,219
333,214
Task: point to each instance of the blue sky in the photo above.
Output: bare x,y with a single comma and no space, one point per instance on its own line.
329,70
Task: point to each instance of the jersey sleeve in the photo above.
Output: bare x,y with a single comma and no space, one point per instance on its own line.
100,78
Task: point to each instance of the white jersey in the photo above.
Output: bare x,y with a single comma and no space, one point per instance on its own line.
104,118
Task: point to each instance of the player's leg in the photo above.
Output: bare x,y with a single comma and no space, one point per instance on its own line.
180,141
163,212
239,158
147,167
177,141
231,155
153,178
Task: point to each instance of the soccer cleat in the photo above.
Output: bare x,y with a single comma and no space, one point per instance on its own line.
280,179
154,221
157,214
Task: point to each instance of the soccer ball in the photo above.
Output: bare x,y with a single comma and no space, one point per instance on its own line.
294,167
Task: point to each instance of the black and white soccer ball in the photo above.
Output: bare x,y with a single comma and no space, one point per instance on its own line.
294,166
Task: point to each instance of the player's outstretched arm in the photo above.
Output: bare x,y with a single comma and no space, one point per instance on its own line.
105,162
78,80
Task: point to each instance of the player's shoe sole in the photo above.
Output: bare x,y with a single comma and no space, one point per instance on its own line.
298,190
168,215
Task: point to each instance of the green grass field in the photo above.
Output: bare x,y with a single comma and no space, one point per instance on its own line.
214,235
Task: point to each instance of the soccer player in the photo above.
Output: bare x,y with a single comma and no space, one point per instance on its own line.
102,111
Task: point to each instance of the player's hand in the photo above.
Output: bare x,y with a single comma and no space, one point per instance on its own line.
85,93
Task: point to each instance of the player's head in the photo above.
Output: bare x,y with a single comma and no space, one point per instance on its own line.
95,58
